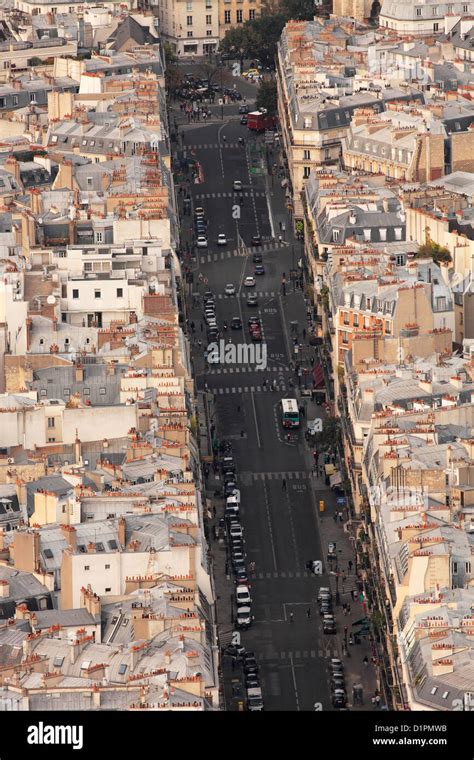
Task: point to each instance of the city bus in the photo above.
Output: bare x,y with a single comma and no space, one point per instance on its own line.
289,413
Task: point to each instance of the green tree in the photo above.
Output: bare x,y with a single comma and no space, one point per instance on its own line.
329,436
257,38
299,10
267,97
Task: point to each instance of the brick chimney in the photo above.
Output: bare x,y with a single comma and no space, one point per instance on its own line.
70,534
90,601
91,548
74,651
121,530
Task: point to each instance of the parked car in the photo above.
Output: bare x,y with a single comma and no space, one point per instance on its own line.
250,663
329,624
244,617
252,681
199,212
339,699
236,531
241,576
249,282
324,593
337,666
230,289
208,296
242,595
201,241
254,700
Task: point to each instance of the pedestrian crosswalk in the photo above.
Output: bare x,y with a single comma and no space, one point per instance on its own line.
289,574
304,654
209,258
294,475
247,389
243,369
245,194
213,146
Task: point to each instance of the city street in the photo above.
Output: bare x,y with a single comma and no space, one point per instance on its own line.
280,493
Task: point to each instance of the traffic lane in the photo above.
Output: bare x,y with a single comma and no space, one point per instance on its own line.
257,525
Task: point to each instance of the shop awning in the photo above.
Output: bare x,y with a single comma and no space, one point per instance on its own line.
329,469
335,479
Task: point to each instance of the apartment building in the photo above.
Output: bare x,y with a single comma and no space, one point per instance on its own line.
316,102
192,27
237,12
422,20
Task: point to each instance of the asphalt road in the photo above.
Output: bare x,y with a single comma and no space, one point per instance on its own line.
280,525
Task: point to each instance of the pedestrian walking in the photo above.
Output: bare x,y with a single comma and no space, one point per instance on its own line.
214,511
377,700
206,387
283,484
252,567
193,326
199,343
344,608
304,333
345,631
349,566
291,617
334,517
348,609
341,518
373,700
366,660
308,613
265,383
242,433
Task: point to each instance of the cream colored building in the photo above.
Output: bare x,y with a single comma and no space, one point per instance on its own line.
237,12
358,9
190,26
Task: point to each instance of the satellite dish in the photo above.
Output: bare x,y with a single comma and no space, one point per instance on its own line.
51,300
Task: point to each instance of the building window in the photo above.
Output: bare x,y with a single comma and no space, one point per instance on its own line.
345,338
15,100
435,27
87,391
108,590
190,34
189,6
383,234
75,293
441,303
367,234
119,292
398,233
468,567
306,172
239,17
355,320
208,20
189,20
107,567
418,11
226,17
87,567
98,237
335,236
388,328
434,10
51,440
50,422
307,155
455,568
346,317
102,391
465,9
209,33
251,15
97,294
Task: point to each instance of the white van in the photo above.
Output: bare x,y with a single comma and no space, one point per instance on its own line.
234,500
254,700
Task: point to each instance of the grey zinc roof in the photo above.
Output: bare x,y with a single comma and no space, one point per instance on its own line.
22,585
104,388
73,617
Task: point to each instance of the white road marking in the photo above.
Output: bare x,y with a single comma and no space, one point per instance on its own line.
294,683
255,419
270,529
